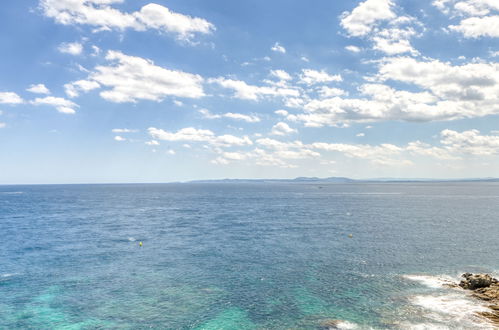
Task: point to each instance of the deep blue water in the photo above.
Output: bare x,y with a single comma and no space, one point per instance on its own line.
244,256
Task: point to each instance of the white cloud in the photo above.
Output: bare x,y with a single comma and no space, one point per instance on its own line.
377,21
447,92
394,41
96,50
480,16
353,49
72,48
311,77
283,113
251,92
124,130
475,27
171,152
155,16
3,125
282,129
38,89
10,98
240,116
100,14
326,92
304,59
131,78
278,48
152,143
119,138
73,89
281,74
469,90
62,105
269,153
360,135
191,134
362,19
424,149
236,116
470,142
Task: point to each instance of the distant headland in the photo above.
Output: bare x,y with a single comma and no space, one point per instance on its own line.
344,180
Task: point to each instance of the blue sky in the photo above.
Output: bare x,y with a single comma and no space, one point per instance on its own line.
134,91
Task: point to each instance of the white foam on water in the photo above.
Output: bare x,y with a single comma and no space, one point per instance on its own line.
12,192
346,325
434,282
132,239
452,309
423,326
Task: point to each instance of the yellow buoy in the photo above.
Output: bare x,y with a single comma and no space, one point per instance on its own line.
350,235
140,243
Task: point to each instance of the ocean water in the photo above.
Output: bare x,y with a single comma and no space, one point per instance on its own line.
245,256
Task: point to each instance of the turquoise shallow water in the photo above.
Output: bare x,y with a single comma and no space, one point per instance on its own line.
244,256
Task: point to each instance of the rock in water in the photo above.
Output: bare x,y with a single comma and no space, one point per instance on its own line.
330,324
485,288
477,281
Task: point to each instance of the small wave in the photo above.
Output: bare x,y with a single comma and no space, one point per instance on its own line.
422,326
7,277
11,192
452,309
131,239
346,325
434,282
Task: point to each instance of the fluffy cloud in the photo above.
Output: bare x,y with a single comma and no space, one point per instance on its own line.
250,92
3,125
282,129
10,98
363,18
470,142
62,105
474,85
131,78
353,49
154,16
236,116
481,17
191,134
475,27
281,74
72,48
124,130
73,89
278,48
38,89
447,92
325,92
377,21
269,152
394,41
103,16
119,138
311,77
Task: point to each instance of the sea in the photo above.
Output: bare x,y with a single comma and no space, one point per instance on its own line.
260,255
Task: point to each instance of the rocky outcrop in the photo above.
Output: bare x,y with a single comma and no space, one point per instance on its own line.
477,281
485,288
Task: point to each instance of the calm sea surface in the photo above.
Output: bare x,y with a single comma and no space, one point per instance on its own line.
244,256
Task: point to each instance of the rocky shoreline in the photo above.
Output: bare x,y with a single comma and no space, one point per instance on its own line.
485,288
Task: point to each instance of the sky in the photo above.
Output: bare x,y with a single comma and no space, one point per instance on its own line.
174,90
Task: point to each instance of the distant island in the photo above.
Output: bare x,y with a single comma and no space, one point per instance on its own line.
344,180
